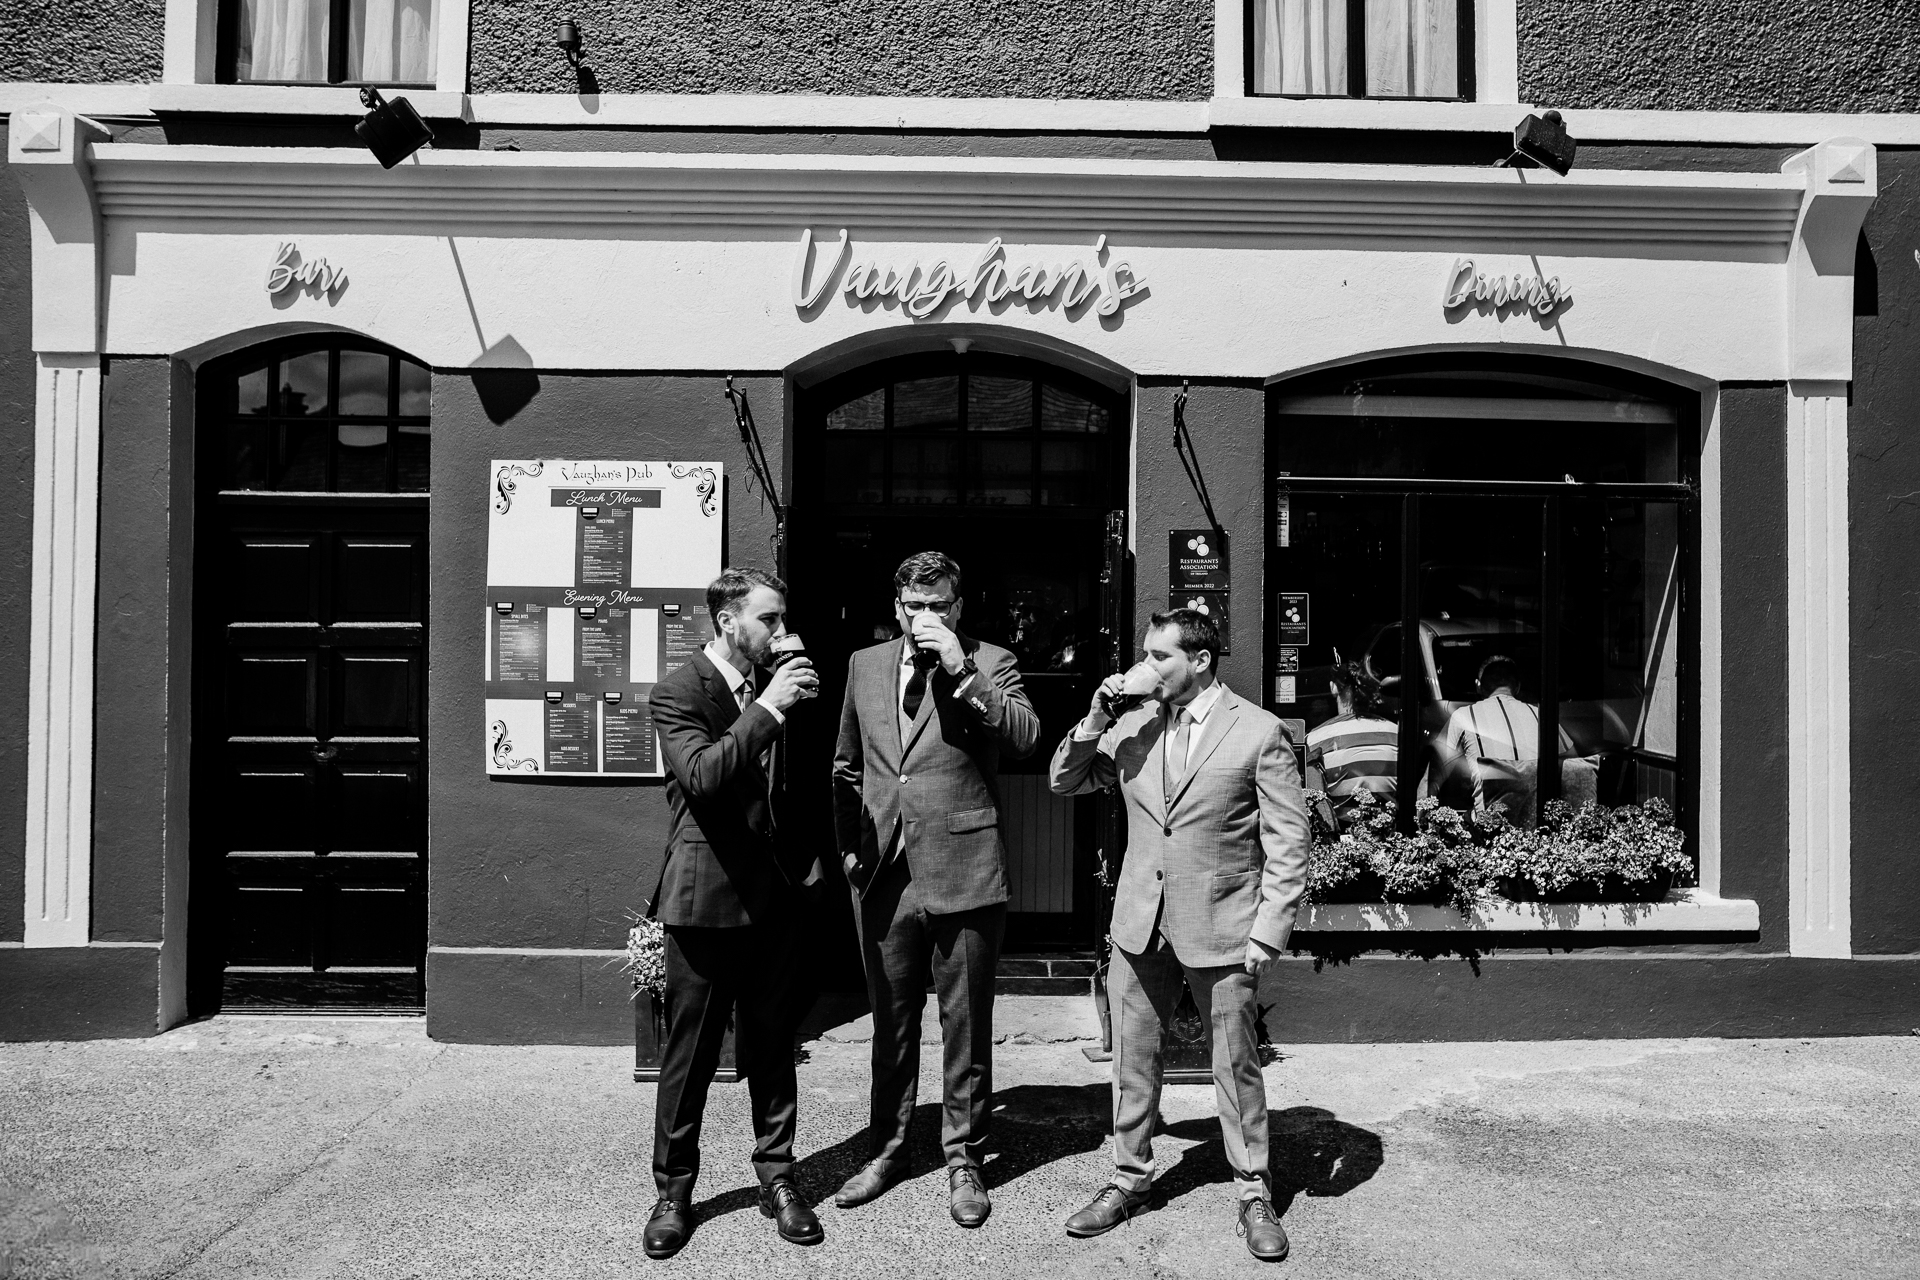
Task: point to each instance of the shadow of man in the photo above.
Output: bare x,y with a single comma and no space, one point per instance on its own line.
1033,1125
1309,1150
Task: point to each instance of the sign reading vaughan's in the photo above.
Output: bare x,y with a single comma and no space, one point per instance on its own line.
1102,287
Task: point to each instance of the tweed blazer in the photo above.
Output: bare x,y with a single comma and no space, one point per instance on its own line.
1228,861
934,797
728,863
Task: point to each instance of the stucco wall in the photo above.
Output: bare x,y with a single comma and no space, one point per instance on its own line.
79,41
931,48
1721,55
1884,500
17,382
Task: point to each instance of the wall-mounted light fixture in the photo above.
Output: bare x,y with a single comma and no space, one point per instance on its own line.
569,40
1544,140
392,130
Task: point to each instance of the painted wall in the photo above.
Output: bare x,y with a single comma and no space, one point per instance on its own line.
17,384
1753,647
82,41
1720,55
544,867
1884,500
919,48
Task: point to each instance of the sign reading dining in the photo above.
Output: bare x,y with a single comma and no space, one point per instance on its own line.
1101,287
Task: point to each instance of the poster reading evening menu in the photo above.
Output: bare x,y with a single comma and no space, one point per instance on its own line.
597,577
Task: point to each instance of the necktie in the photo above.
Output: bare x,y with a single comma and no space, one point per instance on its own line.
1177,752
916,693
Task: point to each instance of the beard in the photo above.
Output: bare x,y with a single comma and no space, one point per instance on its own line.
758,649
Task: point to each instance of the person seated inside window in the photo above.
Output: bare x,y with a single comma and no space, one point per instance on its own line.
1489,752
1357,750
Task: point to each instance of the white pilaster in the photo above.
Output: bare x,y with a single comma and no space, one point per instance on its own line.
66,485
1841,180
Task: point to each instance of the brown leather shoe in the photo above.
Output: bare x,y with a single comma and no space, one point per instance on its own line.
780,1200
1107,1210
869,1182
668,1227
970,1203
1266,1238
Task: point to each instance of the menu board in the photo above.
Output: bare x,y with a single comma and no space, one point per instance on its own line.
597,579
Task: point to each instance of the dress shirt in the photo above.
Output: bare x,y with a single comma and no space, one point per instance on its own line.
906,674
1197,710
737,682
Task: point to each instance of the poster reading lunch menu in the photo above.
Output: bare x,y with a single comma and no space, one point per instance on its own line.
597,576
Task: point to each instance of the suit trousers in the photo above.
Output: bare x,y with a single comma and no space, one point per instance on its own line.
902,944
1144,990
709,971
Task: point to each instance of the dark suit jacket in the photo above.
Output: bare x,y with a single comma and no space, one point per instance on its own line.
939,789
728,863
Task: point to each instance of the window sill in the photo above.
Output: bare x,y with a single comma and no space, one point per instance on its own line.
1683,911
298,100
1364,113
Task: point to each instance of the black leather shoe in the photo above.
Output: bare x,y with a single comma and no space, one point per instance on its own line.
1266,1238
1107,1210
970,1204
780,1200
668,1227
869,1182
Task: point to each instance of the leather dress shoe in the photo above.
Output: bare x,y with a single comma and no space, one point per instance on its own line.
668,1227
869,1182
1107,1210
1266,1238
780,1200
970,1203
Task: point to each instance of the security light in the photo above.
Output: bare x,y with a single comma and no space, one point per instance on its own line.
392,130
569,40
1544,140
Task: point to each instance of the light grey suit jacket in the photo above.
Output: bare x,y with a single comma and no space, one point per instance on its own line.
933,798
1228,862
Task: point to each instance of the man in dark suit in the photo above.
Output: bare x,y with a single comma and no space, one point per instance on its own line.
916,811
731,897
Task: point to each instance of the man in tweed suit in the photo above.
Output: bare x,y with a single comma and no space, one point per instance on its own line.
916,805
1216,863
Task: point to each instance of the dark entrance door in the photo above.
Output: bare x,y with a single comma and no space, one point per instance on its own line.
1011,467
309,806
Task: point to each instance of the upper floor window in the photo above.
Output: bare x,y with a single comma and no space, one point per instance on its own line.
1362,48
328,41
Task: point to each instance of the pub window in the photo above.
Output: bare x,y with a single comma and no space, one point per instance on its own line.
387,42
974,433
1361,49
1457,532
328,419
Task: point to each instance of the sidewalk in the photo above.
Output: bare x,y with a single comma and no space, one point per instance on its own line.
263,1148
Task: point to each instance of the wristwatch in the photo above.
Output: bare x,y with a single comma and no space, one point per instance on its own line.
967,668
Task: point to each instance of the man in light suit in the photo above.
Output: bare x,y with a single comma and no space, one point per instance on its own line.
1216,863
917,814
732,896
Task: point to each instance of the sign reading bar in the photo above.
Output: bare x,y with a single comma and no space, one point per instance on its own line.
596,588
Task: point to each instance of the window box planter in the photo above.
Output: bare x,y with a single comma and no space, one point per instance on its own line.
1679,911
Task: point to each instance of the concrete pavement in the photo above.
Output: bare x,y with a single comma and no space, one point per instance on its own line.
269,1147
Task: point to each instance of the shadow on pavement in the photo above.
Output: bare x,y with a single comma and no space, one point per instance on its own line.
1309,1151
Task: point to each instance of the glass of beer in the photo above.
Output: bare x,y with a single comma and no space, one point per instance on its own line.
1139,684
786,648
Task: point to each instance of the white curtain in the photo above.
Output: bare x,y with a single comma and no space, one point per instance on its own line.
1413,49
1300,47
391,41
282,40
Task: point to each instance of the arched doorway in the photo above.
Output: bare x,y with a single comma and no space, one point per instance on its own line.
310,738
1013,467
1463,522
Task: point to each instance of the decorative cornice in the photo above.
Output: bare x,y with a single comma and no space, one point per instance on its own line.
1747,217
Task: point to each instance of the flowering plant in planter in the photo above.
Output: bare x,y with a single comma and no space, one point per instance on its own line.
1595,853
646,962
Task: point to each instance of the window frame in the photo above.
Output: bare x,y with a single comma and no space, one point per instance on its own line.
226,51
1466,59
1685,492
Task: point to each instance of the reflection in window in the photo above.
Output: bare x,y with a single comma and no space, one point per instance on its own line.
335,419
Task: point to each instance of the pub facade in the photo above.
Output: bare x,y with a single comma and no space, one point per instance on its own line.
1309,338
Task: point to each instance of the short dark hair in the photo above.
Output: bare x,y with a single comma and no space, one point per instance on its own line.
734,585
1360,686
926,569
1497,671
1199,633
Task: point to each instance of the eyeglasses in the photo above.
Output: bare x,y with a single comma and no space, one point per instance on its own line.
939,608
